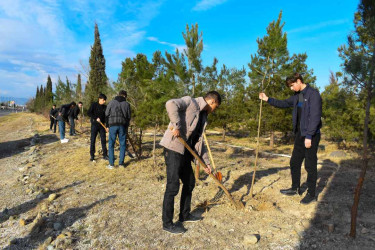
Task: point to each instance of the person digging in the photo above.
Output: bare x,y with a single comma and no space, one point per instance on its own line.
307,113
62,118
188,120
96,113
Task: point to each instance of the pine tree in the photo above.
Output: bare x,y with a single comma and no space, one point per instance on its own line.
359,67
194,44
97,76
268,69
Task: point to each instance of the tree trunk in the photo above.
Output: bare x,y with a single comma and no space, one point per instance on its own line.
272,139
365,154
224,131
140,143
154,146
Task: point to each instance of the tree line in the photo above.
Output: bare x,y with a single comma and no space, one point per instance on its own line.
348,103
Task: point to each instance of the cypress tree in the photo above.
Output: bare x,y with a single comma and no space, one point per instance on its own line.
97,76
79,88
49,95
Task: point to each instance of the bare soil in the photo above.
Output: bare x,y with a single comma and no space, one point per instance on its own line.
97,208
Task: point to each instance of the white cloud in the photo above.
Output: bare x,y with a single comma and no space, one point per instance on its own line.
318,26
180,47
207,4
41,37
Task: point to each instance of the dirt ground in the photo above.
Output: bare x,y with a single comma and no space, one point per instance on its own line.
53,197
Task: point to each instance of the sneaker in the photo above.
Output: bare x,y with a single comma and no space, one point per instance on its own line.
308,199
290,191
174,229
190,218
105,158
110,167
92,159
64,140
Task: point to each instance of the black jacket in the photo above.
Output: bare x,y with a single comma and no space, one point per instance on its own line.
97,111
118,112
64,112
54,113
74,112
311,111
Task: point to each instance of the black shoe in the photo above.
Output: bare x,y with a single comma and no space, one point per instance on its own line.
121,165
92,159
290,191
308,199
105,158
190,218
174,229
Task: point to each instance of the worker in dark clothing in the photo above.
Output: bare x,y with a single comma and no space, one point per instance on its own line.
97,115
62,117
52,117
73,115
307,112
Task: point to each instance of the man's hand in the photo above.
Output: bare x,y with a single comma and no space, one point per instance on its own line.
307,143
176,132
98,119
263,97
208,169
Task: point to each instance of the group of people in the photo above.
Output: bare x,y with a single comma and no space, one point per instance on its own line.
113,118
188,120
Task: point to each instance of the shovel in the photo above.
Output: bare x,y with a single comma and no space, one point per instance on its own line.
217,174
238,205
130,141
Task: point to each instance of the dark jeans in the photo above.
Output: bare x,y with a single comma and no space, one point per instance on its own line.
113,132
95,129
311,160
178,167
72,126
62,129
53,123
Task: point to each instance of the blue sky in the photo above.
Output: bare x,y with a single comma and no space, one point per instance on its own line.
41,37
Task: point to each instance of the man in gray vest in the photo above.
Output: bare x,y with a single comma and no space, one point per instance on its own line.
188,119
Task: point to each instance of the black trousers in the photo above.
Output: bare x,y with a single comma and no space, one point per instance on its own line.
300,152
95,129
53,123
178,167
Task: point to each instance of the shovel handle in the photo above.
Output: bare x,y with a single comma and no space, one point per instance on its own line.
239,205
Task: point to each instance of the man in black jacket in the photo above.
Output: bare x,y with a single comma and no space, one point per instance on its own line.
52,117
73,115
97,115
118,118
62,118
307,113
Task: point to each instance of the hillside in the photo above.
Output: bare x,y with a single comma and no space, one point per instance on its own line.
97,208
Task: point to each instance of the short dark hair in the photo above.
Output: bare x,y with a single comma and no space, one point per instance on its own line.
54,105
73,104
292,79
102,96
213,95
123,93
80,103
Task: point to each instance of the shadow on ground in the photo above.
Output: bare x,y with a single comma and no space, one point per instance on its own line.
38,233
330,226
10,148
24,207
